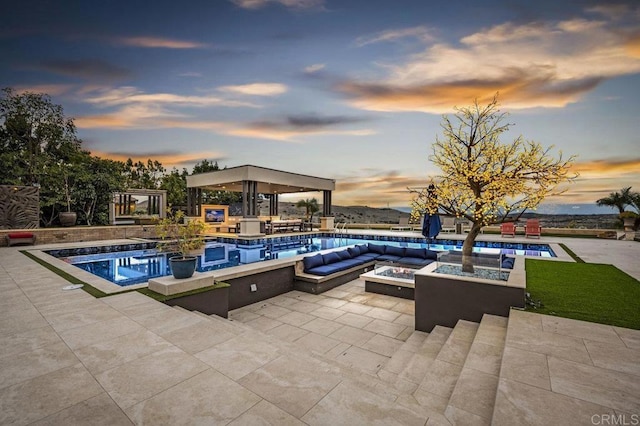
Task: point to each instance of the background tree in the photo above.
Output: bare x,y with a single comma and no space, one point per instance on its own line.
484,180
34,134
143,176
619,200
39,146
215,197
310,206
175,183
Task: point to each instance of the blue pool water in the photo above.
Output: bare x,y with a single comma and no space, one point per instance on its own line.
135,263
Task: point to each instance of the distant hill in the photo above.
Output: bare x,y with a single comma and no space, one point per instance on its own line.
364,214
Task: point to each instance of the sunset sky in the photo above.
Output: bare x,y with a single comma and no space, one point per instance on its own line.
352,90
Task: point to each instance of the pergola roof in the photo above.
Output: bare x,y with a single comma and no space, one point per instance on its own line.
269,181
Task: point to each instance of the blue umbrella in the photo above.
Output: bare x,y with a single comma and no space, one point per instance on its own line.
431,226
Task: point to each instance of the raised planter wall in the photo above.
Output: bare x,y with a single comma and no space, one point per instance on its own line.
78,234
268,284
444,299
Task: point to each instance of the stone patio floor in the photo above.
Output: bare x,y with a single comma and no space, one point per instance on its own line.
67,358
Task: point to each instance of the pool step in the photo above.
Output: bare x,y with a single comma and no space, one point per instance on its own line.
474,395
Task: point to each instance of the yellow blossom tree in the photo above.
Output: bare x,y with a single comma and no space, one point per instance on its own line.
484,180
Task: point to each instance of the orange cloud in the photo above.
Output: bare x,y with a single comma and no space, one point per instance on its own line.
633,46
285,135
168,159
256,89
49,89
611,168
376,189
158,42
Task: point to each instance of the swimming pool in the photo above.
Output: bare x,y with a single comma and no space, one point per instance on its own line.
135,263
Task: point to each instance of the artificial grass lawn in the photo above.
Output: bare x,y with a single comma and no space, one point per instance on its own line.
584,291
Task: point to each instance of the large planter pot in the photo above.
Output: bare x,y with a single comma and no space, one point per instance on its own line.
182,267
629,223
68,218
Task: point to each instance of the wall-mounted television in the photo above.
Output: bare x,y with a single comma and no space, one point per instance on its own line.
214,215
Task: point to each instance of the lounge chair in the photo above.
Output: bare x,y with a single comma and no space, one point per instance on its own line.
448,224
403,225
508,228
532,228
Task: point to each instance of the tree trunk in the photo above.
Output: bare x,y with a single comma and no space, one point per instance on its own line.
467,248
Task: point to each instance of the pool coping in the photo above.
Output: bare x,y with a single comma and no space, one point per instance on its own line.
232,272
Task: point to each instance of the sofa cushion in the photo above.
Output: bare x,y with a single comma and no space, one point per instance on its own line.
367,257
394,251
20,235
330,258
507,262
312,261
343,254
433,255
334,267
388,258
376,248
363,248
354,251
414,261
420,253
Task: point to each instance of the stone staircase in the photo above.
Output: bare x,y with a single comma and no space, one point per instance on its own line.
449,375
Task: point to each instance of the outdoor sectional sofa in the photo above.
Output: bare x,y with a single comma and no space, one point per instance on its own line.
322,272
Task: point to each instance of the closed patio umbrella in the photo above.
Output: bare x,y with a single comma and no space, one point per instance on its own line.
431,227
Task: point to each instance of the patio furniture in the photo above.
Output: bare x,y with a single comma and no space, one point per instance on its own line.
508,228
403,225
448,224
532,228
15,238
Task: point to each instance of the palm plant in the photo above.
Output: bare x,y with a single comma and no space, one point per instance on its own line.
619,200
310,206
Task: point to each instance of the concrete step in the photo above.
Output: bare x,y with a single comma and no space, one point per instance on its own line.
438,383
419,363
403,355
474,394
356,388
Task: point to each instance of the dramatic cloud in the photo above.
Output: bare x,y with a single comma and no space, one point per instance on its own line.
532,65
256,89
419,32
376,189
130,95
138,110
86,69
598,178
613,168
158,42
295,4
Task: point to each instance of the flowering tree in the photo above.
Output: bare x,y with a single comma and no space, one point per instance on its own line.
484,180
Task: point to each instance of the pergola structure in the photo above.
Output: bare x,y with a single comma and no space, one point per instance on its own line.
254,180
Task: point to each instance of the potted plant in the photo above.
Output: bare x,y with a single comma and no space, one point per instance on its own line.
628,220
182,238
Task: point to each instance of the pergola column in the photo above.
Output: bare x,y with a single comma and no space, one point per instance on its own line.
194,201
273,204
326,203
327,219
249,198
250,224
